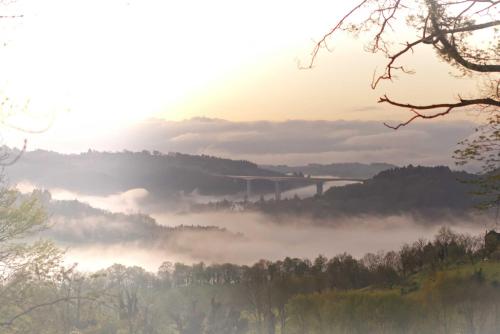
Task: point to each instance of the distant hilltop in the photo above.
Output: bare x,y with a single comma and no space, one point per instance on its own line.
165,177
427,191
95,172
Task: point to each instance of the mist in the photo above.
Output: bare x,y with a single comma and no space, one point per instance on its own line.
253,236
136,200
101,239
117,235
129,201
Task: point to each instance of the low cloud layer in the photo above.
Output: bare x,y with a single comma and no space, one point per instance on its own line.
301,142
130,201
289,142
97,239
261,238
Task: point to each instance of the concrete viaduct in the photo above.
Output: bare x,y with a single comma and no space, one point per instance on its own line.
319,181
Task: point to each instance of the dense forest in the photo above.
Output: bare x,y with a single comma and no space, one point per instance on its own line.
447,285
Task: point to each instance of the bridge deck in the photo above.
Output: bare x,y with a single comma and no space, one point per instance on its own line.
319,181
291,178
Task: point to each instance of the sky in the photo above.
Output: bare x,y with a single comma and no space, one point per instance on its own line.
295,142
81,70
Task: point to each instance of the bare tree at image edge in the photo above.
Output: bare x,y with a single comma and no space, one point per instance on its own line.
449,28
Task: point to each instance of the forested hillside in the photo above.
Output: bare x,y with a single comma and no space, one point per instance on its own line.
420,190
162,175
75,223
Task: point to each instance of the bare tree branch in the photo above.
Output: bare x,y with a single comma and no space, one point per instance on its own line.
322,42
452,51
448,108
444,26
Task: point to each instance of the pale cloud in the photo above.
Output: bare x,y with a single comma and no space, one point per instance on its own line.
299,141
250,237
286,142
388,139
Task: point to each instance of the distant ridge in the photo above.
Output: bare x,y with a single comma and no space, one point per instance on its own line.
163,175
347,169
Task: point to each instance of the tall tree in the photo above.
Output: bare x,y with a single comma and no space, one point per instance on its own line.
23,266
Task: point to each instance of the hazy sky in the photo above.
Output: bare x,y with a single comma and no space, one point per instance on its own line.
287,142
95,64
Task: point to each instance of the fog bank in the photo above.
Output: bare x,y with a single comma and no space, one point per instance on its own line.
263,239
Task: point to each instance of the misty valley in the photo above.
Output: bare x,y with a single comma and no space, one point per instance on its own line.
160,243
103,203
250,167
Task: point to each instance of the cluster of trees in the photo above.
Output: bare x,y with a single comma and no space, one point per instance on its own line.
447,303
445,281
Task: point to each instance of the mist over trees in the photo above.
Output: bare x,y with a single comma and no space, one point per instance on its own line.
442,285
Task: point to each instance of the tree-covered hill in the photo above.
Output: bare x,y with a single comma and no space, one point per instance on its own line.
162,175
75,223
405,190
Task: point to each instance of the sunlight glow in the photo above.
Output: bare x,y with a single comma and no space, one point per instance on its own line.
110,63
123,60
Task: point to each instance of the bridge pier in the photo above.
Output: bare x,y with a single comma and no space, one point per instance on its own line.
249,190
277,191
318,181
319,188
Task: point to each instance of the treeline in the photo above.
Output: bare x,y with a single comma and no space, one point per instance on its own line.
446,285
347,169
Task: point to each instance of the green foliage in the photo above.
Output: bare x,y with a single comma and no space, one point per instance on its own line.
352,311
29,271
484,149
437,286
